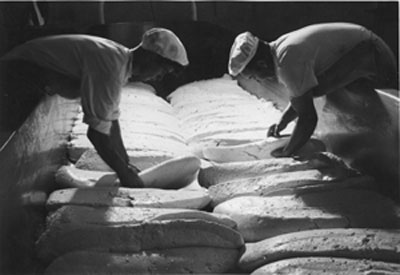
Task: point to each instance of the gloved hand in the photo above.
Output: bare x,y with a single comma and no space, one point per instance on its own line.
274,130
131,178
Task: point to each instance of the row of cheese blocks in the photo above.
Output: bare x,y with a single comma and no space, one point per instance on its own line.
149,128
136,231
178,240
270,197
219,113
168,231
317,209
267,203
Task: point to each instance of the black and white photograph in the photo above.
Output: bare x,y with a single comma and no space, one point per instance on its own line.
199,137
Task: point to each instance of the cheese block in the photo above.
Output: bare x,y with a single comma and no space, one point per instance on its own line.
227,136
227,133
219,109
174,173
182,260
226,139
129,197
197,119
146,128
63,237
200,131
90,160
199,98
215,173
328,266
204,87
171,174
353,243
118,216
148,124
69,176
258,150
289,183
264,217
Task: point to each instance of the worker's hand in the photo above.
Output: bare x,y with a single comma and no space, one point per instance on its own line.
280,153
131,178
274,130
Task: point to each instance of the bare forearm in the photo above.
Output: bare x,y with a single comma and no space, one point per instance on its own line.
303,106
112,151
103,145
305,127
288,116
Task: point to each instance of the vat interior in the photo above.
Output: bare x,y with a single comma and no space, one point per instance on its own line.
365,134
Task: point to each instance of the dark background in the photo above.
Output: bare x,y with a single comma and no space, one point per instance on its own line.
266,19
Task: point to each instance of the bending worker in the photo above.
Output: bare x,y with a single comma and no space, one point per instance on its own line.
101,68
310,62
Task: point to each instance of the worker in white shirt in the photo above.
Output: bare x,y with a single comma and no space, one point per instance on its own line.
101,68
310,62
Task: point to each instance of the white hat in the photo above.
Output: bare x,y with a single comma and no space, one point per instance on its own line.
165,43
243,50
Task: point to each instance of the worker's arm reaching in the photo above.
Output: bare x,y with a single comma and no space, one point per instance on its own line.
112,151
288,116
303,106
160,52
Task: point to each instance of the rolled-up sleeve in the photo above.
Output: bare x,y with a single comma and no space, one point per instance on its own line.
100,100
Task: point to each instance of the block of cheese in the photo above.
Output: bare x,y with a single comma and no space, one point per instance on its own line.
220,111
64,235
353,243
171,174
69,176
144,159
288,183
213,173
147,122
116,215
328,266
129,197
180,260
264,217
258,150
202,132
224,139
133,140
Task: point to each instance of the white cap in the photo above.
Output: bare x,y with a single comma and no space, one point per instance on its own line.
165,43
243,50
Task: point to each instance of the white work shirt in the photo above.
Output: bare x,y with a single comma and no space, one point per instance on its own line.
102,65
300,56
